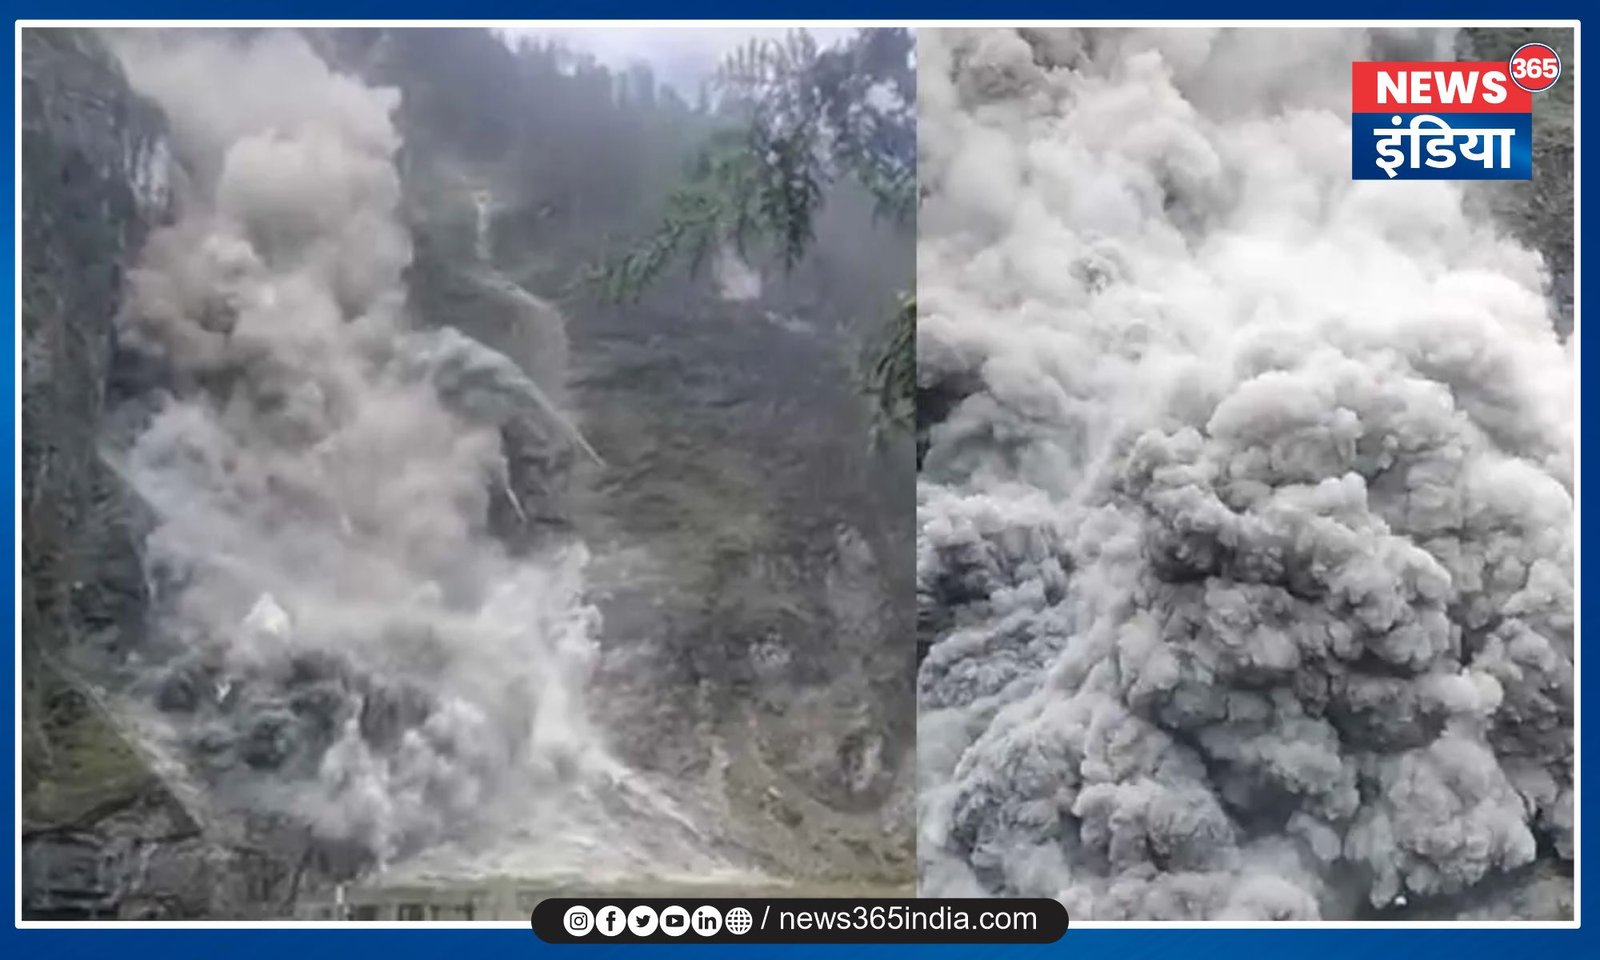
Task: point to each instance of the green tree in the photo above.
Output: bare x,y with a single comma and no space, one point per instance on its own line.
797,119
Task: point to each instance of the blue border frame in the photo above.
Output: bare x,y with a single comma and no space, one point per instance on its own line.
1083,10
1087,944
1146,944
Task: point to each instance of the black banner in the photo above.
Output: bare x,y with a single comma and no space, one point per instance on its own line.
799,921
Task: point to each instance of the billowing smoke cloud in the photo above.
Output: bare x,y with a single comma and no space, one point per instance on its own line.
346,642
736,279
1248,540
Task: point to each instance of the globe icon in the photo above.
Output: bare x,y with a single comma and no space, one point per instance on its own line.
738,920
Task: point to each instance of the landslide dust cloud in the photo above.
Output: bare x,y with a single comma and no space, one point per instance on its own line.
346,642
1248,539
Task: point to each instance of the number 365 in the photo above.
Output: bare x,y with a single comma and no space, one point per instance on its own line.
1535,69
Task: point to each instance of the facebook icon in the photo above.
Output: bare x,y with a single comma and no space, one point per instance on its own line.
610,920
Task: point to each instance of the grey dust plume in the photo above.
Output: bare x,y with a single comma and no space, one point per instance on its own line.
346,641
1246,541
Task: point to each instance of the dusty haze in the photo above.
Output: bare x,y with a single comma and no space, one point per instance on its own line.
322,468
1247,542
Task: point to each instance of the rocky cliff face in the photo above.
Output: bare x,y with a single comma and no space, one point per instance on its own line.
110,828
91,155
751,575
751,547
103,834
749,555
93,165
748,549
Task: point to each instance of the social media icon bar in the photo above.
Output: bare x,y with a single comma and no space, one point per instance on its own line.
641,921
610,920
707,920
578,921
674,921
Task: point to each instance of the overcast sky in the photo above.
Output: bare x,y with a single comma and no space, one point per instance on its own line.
681,56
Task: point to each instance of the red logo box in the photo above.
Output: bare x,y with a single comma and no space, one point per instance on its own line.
1423,87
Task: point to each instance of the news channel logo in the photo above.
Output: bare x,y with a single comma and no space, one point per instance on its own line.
1448,120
